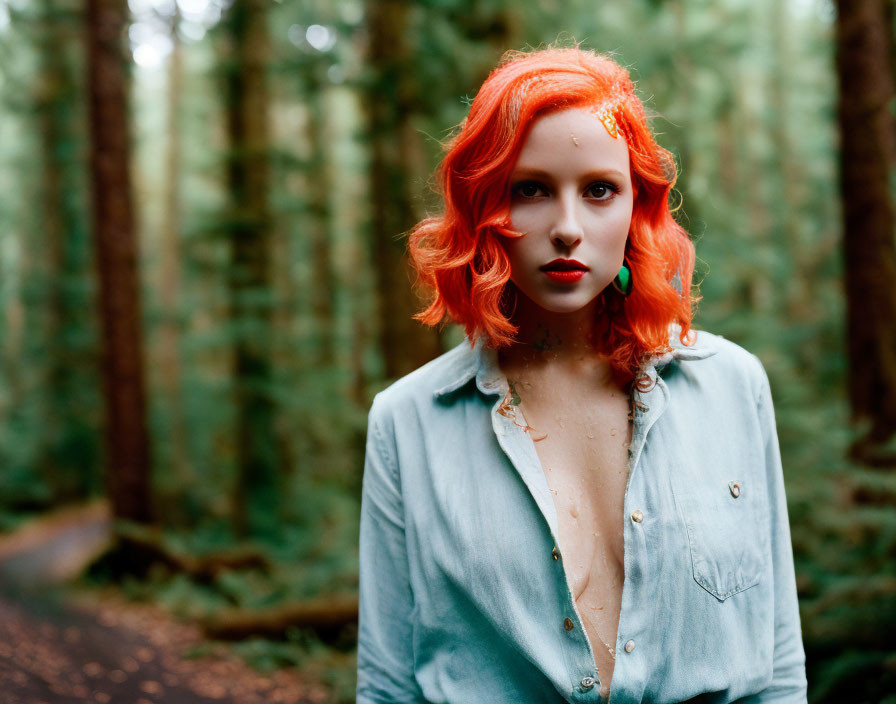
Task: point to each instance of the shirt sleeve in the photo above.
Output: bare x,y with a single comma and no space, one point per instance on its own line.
788,685
385,637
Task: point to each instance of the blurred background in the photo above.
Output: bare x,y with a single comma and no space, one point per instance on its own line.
202,286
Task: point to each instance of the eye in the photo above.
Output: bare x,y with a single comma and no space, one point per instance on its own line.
601,190
528,189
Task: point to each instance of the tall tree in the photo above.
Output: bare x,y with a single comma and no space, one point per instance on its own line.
246,45
170,268
787,210
320,183
128,464
67,453
866,92
390,101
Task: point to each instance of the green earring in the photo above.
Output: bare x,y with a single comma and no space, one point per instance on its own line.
623,281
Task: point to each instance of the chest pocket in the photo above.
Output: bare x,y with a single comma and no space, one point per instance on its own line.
726,530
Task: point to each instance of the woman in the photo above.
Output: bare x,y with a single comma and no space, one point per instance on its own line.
586,492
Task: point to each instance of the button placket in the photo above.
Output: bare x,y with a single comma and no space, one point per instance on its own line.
588,682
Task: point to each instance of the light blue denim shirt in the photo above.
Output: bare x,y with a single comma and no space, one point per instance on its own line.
462,599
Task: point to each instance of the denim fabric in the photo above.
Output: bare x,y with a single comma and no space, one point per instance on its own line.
462,600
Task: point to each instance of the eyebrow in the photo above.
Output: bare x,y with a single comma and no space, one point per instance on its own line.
539,173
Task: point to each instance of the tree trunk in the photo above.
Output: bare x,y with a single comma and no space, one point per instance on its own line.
255,501
890,14
128,464
866,90
170,274
320,186
67,452
790,222
51,87
390,103
682,130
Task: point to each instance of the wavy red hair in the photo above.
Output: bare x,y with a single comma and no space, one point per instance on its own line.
458,254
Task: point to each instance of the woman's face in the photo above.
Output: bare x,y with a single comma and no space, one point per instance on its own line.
571,198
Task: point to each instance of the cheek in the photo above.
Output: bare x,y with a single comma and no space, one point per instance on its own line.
623,225
517,250
612,229
623,220
524,219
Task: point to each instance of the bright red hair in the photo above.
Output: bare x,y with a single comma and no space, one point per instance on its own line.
458,255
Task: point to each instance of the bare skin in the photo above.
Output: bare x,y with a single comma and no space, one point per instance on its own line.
582,433
571,203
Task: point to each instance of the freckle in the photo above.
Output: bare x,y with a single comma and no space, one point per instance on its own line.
573,511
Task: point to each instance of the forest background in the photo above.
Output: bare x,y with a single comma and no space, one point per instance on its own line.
202,280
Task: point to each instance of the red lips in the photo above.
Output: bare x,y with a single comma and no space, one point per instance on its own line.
564,271
564,265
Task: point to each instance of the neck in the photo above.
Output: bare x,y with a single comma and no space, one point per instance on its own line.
548,342
560,336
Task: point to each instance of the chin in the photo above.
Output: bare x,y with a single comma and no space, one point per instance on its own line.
567,310
572,304
560,302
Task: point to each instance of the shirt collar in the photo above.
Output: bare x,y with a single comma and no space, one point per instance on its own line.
681,352
476,360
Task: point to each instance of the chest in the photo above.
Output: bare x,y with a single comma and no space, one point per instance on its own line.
582,444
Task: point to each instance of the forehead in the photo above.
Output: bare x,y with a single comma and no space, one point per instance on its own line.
576,137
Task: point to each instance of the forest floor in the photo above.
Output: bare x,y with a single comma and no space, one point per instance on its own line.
63,645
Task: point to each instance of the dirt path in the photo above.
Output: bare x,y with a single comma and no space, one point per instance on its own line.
57,647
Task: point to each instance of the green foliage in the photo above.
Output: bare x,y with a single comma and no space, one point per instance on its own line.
333,667
49,444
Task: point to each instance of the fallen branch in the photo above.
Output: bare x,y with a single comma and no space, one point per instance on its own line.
327,616
136,548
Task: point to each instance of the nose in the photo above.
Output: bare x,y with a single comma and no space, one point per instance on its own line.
567,229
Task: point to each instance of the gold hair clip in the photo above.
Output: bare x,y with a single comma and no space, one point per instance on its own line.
609,122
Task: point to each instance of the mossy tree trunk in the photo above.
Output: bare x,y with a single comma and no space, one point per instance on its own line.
390,104
68,450
127,460
249,229
170,274
866,93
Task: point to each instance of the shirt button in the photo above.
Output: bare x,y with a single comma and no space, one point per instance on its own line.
629,646
735,489
587,682
556,553
637,516
568,624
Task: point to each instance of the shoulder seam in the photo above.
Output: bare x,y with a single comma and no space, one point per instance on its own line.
385,450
